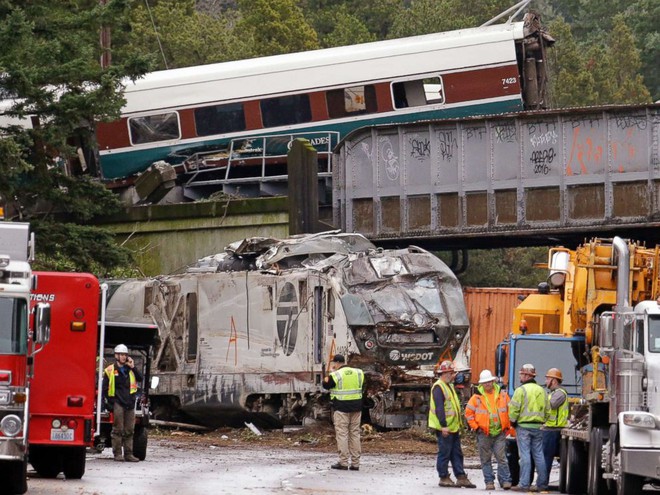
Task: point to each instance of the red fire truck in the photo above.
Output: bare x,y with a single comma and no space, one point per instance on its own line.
62,421
19,343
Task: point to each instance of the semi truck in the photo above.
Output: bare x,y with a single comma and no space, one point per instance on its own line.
22,336
597,318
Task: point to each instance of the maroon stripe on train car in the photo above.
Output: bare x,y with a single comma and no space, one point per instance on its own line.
383,97
187,122
252,112
319,106
481,83
112,135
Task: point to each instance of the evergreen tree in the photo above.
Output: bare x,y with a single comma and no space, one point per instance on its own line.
624,62
570,84
507,267
347,29
177,35
275,27
50,71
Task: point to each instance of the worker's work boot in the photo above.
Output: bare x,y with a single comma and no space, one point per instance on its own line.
129,457
490,486
464,482
116,450
446,482
128,450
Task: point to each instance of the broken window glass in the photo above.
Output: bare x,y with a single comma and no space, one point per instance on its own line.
356,310
388,267
152,128
426,293
351,101
426,91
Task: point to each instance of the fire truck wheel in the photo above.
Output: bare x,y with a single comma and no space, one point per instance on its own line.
575,468
140,442
74,463
46,461
16,475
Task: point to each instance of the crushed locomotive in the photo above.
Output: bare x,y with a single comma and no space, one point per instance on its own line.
247,334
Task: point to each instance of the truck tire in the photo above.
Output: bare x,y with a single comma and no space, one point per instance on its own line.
16,476
73,463
140,442
629,483
576,465
46,461
596,484
563,454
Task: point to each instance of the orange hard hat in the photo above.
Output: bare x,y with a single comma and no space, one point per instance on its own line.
555,373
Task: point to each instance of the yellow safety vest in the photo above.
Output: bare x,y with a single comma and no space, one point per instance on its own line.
348,384
111,372
529,405
452,408
558,417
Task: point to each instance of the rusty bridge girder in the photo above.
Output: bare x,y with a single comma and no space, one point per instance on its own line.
520,179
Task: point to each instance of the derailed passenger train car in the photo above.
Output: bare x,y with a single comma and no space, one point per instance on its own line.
247,334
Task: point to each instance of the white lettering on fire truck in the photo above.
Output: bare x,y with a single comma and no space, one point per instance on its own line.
42,297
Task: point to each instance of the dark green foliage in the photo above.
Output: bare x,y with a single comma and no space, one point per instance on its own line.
49,65
508,267
598,23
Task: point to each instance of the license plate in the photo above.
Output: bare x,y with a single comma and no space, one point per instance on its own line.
61,436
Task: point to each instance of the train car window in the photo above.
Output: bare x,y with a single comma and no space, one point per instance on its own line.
418,92
152,128
191,306
286,110
351,101
219,119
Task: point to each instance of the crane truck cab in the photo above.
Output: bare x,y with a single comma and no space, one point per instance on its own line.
598,320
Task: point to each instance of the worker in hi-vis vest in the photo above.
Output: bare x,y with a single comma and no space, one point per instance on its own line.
558,419
345,385
120,386
528,411
446,418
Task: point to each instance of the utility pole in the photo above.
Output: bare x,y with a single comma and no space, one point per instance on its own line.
106,57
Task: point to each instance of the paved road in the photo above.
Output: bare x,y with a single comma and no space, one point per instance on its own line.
174,467
184,469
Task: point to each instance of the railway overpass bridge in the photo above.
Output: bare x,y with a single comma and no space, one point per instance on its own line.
536,178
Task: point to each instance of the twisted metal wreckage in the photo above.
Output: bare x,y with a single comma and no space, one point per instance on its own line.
248,333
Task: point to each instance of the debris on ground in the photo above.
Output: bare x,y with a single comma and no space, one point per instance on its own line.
318,437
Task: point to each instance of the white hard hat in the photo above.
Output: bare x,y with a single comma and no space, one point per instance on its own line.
486,376
528,369
121,349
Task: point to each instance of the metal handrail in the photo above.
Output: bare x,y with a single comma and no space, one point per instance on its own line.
234,155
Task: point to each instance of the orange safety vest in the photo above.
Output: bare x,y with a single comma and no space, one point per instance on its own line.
479,411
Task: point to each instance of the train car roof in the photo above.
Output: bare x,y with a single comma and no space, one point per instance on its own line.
279,74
